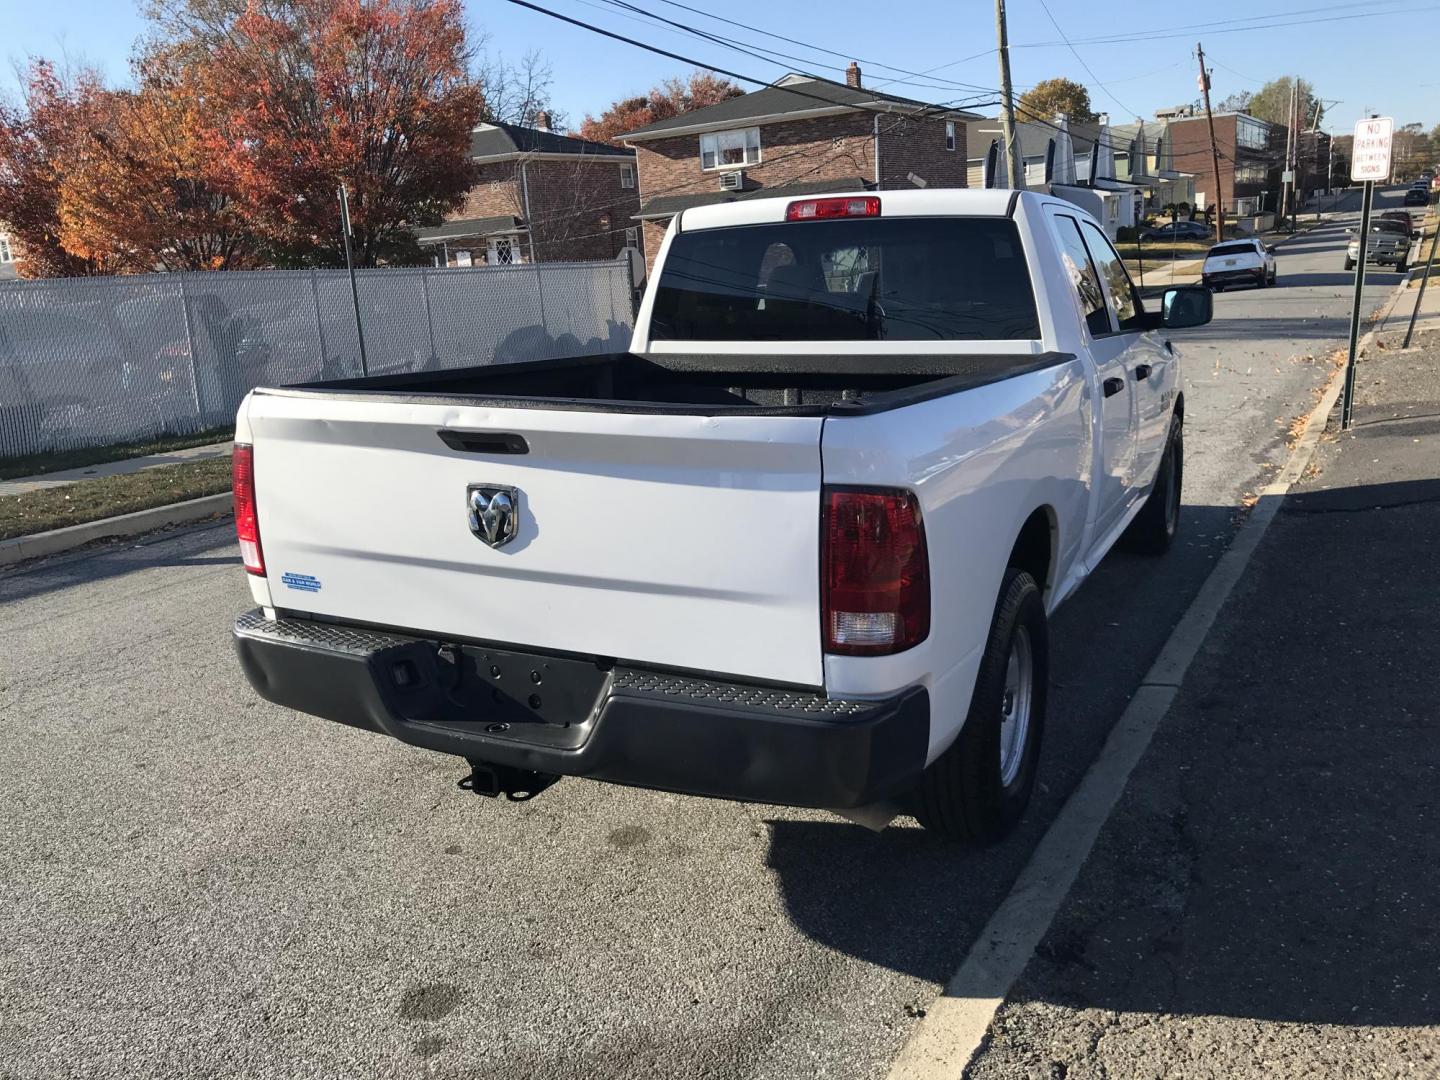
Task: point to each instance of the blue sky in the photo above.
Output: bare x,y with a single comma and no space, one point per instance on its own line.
1317,39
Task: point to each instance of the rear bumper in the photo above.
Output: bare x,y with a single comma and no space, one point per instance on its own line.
1247,276
624,725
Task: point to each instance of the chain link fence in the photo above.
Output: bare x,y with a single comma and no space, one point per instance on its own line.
98,361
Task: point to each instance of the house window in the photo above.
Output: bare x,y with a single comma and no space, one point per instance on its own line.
632,237
6,255
502,251
627,175
730,149
949,134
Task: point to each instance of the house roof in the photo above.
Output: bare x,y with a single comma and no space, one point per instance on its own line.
469,229
794,95
664,206
507,140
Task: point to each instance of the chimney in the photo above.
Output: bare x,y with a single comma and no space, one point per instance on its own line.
852,75
542,120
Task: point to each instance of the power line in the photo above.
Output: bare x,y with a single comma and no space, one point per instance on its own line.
1076,53
828,102
765,54
820,48
1278,19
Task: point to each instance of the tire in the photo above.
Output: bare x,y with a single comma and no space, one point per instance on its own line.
977,789
1349,263
1154,528
1402,266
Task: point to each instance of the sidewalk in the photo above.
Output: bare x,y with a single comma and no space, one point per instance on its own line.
1262,901
24,485
1165,274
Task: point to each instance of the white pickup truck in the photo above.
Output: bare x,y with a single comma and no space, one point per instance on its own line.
798,546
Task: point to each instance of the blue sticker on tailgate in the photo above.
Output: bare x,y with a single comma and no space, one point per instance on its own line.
303,582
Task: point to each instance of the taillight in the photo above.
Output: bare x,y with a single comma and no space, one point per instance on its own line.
875,572
247,521
823,209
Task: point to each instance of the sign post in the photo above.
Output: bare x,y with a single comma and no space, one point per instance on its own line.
1369,162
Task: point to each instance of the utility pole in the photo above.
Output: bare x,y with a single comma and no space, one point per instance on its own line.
1014,165
1299,173
1214,150
1287,186
350,267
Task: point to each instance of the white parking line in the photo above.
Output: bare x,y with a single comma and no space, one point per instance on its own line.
945,1041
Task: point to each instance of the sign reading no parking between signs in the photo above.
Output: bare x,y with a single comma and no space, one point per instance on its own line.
1370,155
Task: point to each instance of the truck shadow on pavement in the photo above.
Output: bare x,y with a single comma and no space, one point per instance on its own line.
908,901
1273,856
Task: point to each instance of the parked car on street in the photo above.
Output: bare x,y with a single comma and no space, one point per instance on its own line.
1238,262
1388,245
1179,230
799,545
1418,196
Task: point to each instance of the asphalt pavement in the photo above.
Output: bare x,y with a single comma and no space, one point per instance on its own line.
1261,901
200,884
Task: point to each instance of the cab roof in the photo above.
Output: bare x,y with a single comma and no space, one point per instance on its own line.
933,202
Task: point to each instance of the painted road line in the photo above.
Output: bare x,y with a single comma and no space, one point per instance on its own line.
954,1027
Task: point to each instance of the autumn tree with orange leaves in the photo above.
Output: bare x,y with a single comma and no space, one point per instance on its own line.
670,98
38,139
148,189
373,93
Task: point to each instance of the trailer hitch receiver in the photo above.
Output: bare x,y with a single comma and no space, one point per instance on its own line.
517,785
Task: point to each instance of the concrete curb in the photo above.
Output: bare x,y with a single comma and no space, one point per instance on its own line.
20,548
947,1040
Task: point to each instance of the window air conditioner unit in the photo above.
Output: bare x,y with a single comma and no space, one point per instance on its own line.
732,181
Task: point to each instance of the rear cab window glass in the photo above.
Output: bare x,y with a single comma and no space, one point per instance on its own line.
1083,275
1119,291
1247,248
860,279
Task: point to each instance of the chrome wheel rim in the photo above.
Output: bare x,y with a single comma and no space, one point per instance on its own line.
1015,706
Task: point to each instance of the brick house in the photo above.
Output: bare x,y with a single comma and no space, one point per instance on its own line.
800,136
540,197
1252,157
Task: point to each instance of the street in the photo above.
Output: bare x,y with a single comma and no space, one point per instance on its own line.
201,884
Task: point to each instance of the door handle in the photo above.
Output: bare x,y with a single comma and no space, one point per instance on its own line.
484,442
1142,371
1113,386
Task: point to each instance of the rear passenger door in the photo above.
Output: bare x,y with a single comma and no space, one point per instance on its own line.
1145,359
1115,456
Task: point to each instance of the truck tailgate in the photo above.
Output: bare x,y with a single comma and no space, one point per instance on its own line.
674,540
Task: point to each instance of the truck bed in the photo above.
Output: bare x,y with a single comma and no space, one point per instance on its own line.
754,384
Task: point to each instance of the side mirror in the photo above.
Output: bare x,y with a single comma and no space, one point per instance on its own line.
1271,249
1185,306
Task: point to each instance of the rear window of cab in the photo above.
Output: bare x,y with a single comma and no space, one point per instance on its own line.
860,279
1246,248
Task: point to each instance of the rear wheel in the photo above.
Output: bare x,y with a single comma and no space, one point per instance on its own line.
1154,528
978,788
